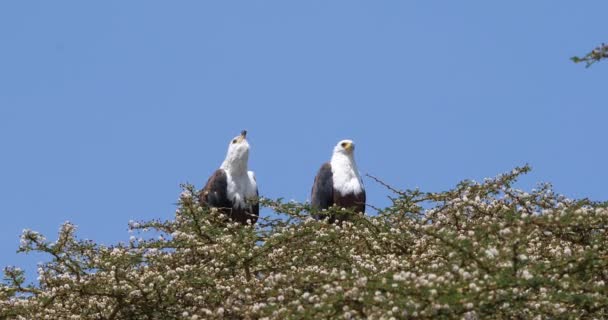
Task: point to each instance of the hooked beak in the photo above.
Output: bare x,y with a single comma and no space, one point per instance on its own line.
349,147
242,136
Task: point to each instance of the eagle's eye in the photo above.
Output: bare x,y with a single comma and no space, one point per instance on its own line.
234,141
344,144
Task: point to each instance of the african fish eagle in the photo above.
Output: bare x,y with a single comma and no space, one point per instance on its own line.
232,189
338,182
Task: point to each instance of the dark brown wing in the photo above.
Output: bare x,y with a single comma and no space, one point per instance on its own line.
322,196
215,192
360,201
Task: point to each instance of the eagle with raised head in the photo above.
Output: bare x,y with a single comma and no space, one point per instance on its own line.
232,188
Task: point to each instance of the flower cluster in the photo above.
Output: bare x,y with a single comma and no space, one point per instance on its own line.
481,250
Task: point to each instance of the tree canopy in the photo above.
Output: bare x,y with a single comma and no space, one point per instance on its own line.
481,250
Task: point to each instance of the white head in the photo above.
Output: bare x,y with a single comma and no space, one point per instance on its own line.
237,155
346,148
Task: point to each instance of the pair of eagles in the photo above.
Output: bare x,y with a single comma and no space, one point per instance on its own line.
233,189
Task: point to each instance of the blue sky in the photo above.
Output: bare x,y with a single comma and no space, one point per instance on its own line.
105,108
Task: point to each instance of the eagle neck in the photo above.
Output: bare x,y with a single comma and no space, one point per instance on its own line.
344,161
235,166
345,174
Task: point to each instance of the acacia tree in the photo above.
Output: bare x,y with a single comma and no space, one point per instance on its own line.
596,55
479,250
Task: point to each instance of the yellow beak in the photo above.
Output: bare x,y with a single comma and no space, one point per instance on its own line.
349,147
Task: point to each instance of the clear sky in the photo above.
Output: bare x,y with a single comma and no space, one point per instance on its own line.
106,107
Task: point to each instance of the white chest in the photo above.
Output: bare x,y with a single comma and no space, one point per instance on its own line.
346,178
241,188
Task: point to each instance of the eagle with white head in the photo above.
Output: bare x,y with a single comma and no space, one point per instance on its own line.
232,188
338,182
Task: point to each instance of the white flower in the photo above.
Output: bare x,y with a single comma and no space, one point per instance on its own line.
491,252
361,282
186,194
526,274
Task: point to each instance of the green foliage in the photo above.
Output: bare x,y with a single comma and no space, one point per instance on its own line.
481,250
596,55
